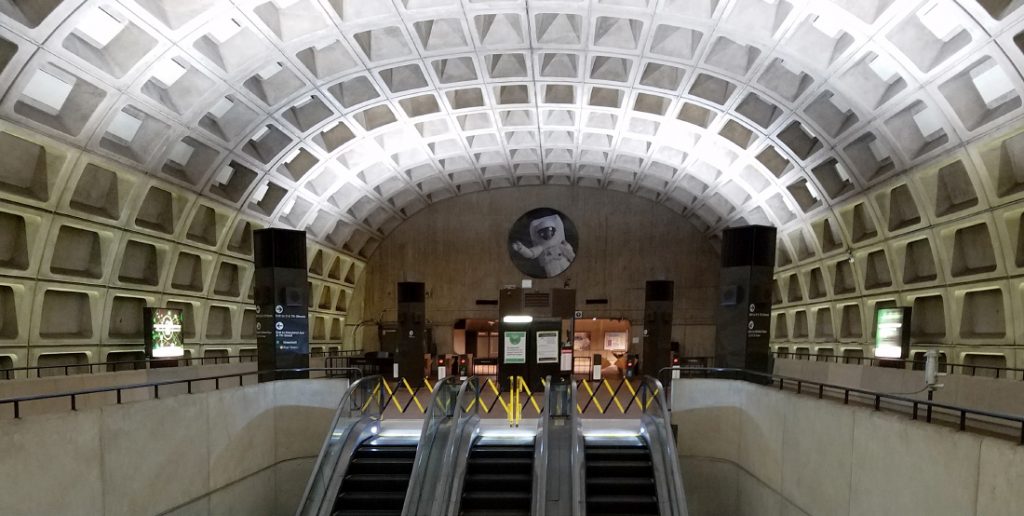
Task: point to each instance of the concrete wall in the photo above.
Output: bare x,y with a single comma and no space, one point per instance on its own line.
821,458
247,450
459,248
72,383
980,393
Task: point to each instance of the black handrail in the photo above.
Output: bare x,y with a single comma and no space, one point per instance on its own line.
142,364
929,405
874,361
73,395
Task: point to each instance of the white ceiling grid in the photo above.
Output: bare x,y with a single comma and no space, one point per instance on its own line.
344,117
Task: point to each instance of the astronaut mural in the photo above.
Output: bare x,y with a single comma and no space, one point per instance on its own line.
543,243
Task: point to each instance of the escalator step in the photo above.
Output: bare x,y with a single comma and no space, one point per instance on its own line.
500,460
375,459
621,485
484,481
495,500
370,500
364,482
475,466
624,453
380,466
492,512
634,504
502,451
385,451
617,464
367,512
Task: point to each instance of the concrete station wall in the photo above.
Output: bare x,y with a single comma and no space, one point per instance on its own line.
246,450
459,248
751,450
979,393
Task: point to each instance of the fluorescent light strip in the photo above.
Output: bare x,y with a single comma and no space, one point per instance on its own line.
517,319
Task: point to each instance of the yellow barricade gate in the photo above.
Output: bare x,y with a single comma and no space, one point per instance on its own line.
602,398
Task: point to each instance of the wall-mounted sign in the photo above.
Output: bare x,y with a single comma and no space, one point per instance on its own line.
164,338
581,341
547,347
892,333
616,341
515,347
543,243
759,322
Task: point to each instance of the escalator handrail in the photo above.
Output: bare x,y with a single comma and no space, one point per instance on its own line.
442,406
465,420
312,502
540,453
579,486
657,414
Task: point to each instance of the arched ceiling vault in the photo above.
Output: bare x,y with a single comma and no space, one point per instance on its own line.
839,121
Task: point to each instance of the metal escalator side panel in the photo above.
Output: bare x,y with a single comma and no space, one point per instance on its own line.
540,454
456,449
465,434
579,486
657,433
554,473
355,417
438,424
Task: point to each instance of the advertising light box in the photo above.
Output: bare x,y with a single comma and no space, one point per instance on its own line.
164,338
892,333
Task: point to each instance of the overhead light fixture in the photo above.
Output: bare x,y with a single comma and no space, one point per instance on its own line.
517,319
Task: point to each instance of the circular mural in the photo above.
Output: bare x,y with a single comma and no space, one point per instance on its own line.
543,243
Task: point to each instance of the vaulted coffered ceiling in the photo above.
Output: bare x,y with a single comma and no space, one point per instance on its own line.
346,117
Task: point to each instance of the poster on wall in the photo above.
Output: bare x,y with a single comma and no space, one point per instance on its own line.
892,336
543,243
581,341
547,347
616,341
515,347
164,337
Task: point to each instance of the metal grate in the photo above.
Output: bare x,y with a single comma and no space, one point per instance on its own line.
537,300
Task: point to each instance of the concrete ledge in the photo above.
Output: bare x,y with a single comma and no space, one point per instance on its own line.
185,453
824,458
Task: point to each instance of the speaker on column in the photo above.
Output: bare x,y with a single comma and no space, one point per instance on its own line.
412,323
657,339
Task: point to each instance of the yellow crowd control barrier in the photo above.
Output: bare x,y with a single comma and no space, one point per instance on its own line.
617,397
605,396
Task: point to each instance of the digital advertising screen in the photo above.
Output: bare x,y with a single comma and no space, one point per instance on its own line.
164,337
892,332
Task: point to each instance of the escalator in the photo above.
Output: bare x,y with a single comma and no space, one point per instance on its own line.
376,479
620,477
499,478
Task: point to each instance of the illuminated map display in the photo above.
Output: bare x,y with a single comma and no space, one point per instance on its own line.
164,333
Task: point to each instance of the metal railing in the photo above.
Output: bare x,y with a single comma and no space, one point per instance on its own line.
961,415
904,363
466,429
73,396
357,416
112,366
435,433
657,425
